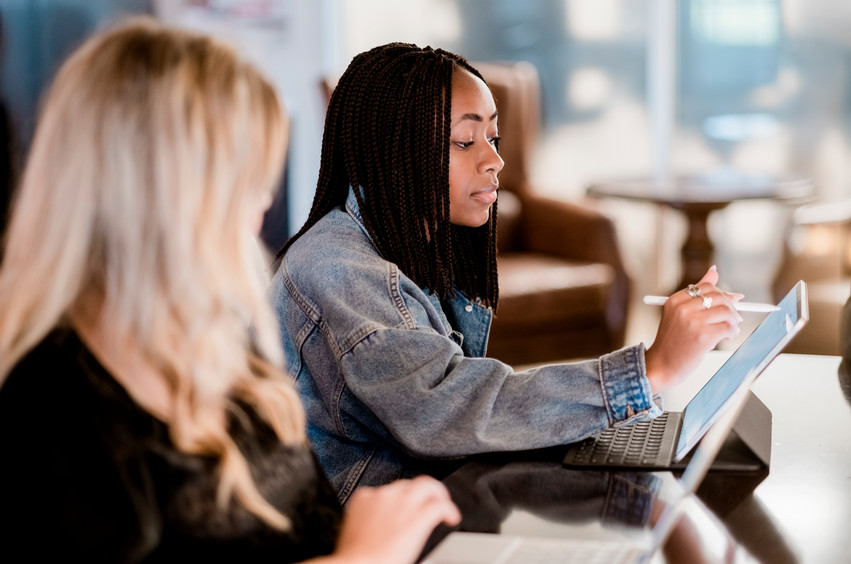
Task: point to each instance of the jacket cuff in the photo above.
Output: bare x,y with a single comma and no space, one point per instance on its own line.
626,389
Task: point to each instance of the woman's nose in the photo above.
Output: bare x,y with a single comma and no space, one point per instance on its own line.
492,160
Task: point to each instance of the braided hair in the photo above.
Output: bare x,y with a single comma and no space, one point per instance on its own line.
387,136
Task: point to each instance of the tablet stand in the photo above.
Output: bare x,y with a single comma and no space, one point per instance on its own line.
748,446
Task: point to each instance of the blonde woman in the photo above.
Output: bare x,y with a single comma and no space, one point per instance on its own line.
143,408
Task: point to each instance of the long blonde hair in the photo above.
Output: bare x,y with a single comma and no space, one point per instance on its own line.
153,149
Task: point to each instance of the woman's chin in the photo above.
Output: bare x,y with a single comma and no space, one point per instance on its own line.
471,220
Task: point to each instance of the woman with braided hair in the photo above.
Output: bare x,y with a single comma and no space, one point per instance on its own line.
385,295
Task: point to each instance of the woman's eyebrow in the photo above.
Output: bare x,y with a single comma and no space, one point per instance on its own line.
477,117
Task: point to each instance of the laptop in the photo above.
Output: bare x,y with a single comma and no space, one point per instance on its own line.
710,416
665,442
486,548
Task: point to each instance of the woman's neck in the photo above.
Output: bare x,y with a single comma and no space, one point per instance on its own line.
121,357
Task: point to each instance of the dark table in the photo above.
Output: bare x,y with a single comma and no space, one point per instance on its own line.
697,196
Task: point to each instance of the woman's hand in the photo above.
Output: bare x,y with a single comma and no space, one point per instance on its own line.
689,329
390,524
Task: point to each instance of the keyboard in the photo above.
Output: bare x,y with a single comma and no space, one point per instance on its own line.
642,444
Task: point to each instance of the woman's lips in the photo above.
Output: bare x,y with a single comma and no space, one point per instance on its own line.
486,195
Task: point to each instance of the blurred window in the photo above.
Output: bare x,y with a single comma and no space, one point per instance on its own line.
762,85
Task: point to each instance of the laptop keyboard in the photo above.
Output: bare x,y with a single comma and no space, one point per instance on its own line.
546,551
638,444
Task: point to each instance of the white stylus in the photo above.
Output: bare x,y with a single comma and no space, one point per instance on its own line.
740,306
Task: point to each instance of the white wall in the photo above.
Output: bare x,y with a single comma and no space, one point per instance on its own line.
296,45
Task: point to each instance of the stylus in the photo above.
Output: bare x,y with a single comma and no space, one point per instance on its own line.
740,306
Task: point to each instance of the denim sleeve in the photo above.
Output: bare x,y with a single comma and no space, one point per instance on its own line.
438,403
626,388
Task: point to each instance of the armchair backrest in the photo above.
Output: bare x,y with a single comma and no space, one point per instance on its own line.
517,90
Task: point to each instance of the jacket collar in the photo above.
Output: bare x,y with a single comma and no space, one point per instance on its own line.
352,206
353,210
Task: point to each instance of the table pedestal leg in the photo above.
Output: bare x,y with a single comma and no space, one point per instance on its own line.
698,251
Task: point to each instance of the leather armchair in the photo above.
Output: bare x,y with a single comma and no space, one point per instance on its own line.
564,292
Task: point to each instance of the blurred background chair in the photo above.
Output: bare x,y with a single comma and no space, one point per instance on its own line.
817,250
564,292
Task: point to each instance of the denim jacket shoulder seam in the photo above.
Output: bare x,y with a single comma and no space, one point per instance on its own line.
309,309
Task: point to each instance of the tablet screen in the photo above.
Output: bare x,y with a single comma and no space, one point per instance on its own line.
754,354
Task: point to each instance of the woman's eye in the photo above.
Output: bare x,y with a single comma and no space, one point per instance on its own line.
464,144
494,141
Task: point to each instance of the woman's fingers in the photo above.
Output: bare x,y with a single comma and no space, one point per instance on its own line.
390,524
711,277
694,320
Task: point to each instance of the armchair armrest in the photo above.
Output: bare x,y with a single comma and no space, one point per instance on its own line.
579,233
569,231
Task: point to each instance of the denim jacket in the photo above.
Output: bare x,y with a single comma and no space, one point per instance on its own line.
388,381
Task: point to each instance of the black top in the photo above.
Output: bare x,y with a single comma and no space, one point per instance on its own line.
86,472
